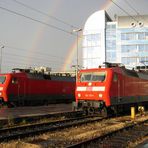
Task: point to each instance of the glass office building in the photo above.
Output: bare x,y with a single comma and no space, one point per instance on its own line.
133,44
111,49
121,41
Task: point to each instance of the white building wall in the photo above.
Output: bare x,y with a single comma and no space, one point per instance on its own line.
94,40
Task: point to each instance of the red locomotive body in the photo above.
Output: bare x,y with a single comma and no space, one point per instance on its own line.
31,88
110,89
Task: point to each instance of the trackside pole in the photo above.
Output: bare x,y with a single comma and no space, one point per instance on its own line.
133,112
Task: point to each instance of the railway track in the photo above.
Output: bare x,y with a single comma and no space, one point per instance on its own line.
11,122
119,138
12,133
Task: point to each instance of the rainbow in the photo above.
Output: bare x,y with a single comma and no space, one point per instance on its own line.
71,53
106,5
40,32
72,50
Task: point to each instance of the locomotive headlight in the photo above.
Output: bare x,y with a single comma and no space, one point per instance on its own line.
79,95
100,95
1,88
0,93
89,84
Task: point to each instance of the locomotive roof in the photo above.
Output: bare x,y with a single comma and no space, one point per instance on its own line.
118,67
21,70
32,71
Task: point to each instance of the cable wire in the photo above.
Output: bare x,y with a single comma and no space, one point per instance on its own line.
44,54
43,13
134,9
34,58
30,18
125,11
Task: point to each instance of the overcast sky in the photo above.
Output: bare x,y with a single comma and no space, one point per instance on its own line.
44,38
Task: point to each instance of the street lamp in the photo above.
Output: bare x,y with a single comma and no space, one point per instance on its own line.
2,46
77,64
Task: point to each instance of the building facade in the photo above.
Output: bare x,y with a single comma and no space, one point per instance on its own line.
121,41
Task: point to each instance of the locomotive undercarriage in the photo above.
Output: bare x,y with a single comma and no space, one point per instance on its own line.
99,107
91,107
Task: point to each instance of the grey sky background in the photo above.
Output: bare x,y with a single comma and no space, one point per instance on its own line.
30,43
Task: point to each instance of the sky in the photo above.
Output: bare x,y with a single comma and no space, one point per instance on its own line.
38,33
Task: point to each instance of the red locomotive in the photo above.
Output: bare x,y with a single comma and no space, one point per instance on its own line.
110,89
30,87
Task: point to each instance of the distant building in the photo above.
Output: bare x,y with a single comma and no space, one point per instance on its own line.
124,40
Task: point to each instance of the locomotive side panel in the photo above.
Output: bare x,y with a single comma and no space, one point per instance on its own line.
16,90
33,89
128,88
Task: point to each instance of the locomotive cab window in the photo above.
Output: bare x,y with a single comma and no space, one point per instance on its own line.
2,79
14,81
93,77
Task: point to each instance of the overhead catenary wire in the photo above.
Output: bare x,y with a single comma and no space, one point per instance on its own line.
21,60
39,53
125,12
39,58
43,13
39,21
34,58
58,62
137,13
36,20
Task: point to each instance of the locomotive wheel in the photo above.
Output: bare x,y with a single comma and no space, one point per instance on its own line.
90,110
104,112
85,111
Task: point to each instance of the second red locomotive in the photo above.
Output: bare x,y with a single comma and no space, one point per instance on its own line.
31,87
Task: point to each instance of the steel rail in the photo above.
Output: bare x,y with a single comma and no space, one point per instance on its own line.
36,118
86,143
35,129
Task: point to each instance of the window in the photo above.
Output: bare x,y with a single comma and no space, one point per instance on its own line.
92,39
141,48
128,36
146,35
129,60
141,36
2,79
128,48
93,76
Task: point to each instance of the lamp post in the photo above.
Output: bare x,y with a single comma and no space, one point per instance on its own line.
1,58
77,63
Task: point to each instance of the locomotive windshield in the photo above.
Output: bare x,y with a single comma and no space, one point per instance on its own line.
2,79
93,77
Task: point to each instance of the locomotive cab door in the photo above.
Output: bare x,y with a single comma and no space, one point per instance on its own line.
18,86
21,91
119,84
116,87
